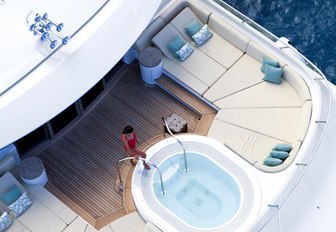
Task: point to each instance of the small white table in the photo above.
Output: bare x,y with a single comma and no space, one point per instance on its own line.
32,171
150,65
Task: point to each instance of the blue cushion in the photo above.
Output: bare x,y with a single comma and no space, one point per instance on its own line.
176,44
5,221
270,161
268,61
12,194
272,74
279,154
283,147
20,205
203,35
193,27
185,51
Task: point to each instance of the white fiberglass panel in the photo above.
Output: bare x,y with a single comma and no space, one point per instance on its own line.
69,72
21,51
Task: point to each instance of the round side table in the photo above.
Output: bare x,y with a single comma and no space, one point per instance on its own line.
32,171
151,64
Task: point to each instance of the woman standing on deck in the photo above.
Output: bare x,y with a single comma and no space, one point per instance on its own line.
129,140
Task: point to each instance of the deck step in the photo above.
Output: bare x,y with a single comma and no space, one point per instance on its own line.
205,123
128,198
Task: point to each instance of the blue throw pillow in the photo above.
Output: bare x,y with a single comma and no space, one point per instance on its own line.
11,195
203,35
176,44
268,61
193,27
272,74
269,161
185,51
283,147
279,154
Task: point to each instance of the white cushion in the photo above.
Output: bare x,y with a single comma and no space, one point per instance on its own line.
243,74
263,94
221,50
258,52
182,20
183,77
245,141
162,39
278,123
202,67
228,32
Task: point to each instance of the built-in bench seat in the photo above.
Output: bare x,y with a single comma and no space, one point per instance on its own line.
186,71
47,213
254,115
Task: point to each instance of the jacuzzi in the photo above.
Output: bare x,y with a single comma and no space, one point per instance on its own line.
208,189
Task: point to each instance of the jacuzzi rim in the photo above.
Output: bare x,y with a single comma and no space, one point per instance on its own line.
241,192
166,224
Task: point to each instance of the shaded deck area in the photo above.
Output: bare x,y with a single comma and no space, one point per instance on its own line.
81,162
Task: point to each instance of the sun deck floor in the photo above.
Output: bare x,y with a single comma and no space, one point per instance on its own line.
81,163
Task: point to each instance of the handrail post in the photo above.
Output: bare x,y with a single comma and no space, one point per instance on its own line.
147,161
184,152
158,169
119,173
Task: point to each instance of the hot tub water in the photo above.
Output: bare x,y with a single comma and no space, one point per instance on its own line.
205,196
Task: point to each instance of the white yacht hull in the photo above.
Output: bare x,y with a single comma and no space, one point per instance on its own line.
46,89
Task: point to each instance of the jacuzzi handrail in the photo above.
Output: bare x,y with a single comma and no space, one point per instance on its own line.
158,169
184,151
119,174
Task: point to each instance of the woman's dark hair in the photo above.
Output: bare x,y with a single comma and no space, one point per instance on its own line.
127,130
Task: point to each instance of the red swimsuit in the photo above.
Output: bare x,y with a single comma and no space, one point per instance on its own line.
131,142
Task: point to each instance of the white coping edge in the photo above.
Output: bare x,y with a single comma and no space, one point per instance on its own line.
149,215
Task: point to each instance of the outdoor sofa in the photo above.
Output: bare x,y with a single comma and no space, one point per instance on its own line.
253,115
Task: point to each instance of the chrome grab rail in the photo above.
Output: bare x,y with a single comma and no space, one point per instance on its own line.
120,186
184,152
158,169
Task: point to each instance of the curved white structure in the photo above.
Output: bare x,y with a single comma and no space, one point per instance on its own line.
150,207
38,83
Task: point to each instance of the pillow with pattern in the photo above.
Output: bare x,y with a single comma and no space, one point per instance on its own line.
20,205
202,36
5,221
185,51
